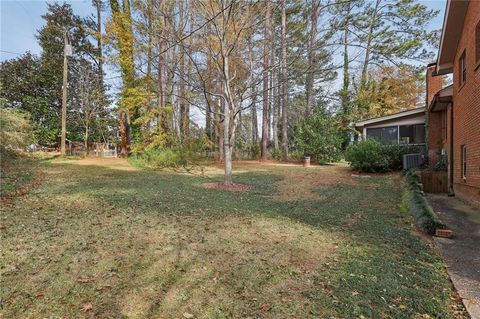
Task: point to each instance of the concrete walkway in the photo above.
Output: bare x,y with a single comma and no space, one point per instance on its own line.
461,252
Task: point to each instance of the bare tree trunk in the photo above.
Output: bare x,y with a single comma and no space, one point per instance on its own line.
311,57
254,115
162,115
272,107
181,71
366,62
227,148
218,127
85,136
123,135
149,62
344,94
253,94
229,115
98,5
266,66
284,84
186,130
275,102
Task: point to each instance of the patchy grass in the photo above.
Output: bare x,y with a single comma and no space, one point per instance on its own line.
18,174
101,239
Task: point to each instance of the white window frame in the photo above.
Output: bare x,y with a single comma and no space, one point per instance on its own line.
463,150
463,68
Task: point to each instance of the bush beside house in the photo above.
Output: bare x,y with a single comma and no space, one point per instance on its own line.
372,156
415,202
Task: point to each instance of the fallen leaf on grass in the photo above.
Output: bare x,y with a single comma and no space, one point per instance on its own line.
85,280
87,307
187,315
265,307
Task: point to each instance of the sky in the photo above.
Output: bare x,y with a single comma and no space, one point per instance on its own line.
20,20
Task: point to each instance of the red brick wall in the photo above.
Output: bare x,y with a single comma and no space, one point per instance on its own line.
434,120
466,106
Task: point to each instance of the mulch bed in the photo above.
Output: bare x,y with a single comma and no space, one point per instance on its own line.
235,187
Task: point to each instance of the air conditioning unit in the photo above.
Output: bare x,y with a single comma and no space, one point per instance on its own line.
412,160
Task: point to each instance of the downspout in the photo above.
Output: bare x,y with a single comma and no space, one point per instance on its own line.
451,192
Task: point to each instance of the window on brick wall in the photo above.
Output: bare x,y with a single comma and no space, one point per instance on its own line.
463,154
444,125
477,42
463,68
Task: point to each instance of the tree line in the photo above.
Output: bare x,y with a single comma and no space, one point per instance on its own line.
230,78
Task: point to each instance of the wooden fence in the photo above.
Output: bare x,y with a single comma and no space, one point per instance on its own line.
434,181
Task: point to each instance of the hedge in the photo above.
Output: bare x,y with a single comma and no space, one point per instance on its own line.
424,215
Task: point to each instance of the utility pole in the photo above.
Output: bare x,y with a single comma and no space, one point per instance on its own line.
67,51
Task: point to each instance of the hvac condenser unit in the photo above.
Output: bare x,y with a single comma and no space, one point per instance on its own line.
412,160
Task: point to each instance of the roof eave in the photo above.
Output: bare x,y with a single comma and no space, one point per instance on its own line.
390,117
455,13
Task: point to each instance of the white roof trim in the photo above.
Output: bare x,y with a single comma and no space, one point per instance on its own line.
455,13
391,117
449,67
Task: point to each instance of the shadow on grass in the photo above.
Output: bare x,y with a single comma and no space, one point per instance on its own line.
140,236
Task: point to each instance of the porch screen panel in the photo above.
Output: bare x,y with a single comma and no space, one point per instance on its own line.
412,134
386,134
375,133
390,134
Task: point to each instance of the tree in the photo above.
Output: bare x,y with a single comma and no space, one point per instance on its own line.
391,31
121,36
26,86
390,90
319,138
284,82
266,70
16,129
34,84
89,99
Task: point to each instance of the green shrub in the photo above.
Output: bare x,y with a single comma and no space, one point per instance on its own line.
163,158
295,155
367,156
424,215
15,129
277,154
395,152
371,155
246,150
319,138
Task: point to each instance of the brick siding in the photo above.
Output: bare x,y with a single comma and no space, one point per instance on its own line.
466,107
434,120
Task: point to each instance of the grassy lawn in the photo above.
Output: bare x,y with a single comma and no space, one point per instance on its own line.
100,238
18,174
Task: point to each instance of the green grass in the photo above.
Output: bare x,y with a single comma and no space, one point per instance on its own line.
17,173
105,240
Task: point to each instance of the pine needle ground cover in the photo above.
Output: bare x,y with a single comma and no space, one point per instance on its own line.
102,239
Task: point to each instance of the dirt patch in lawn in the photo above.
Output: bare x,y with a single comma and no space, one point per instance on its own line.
235,187
300,185
110,163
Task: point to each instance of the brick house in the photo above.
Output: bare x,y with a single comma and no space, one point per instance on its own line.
453,112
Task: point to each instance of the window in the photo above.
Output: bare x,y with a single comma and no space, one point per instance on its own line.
387,134
464,161
477,42
463,68
444,125
412,134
